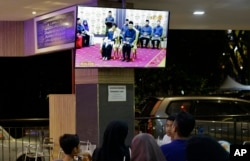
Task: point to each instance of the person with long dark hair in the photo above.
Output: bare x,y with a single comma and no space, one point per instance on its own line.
113,147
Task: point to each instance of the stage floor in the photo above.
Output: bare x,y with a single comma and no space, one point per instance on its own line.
145,57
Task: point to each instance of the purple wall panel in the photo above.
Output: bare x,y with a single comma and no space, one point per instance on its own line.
29,39
86,112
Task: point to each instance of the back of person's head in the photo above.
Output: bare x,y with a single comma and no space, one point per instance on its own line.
184,124
205,148
171,117
115,133
113,146
145,148
68,142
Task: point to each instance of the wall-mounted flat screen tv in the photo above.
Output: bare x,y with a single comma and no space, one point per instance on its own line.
120,38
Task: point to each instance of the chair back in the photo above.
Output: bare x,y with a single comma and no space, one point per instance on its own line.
33,151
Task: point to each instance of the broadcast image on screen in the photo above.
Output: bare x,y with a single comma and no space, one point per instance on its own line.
114,37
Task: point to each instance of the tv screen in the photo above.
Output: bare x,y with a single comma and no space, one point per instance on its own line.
119,38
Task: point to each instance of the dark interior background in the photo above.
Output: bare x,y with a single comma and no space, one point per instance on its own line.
25,83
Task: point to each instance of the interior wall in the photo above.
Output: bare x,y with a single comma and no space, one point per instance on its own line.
11,38
62,117
117,110
29,38
87,112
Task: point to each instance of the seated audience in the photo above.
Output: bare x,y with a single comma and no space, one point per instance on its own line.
205,148
70,144
157,34
145,148
138,27
87,32
146,32
128,40
113,147
82,32
181,129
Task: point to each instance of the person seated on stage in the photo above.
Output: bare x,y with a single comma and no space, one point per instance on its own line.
107,45
117,40
146,32
157,34
109,21
87,32
138,28
81,31
79,27
123,29
128,40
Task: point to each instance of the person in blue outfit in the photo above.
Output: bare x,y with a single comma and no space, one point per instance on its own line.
181,129
82,31
85,25
138,27
146,32
157,34
90,40
124,27
109,21
128,40
106,47
86,34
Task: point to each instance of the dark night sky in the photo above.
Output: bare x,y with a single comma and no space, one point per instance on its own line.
196,50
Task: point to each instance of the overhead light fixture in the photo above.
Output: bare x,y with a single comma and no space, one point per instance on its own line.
198,13
34,12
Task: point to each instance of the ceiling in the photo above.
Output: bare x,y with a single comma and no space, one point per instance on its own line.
219,14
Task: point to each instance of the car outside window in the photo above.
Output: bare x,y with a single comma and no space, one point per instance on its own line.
178,106
241,108
213,107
